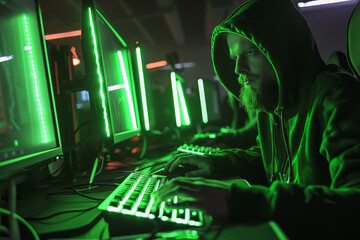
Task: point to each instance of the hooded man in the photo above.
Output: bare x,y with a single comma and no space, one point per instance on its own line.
305,171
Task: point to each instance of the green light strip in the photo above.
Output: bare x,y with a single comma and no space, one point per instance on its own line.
161,209
148,208
99,75
117,35
125,211
183,104
127,89
138,201
143,90
35,79
175,97
174,215
193,152
203,101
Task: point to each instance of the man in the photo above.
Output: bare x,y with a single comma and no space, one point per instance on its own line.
305,172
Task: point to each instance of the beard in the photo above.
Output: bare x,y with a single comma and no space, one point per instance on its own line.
261,96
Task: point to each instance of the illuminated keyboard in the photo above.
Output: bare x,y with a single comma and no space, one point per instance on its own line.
133,197
196,149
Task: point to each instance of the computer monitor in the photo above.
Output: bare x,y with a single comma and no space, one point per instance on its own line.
143,90
28,124
209,97
181,112
110,79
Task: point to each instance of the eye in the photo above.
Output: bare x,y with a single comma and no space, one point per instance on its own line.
251,52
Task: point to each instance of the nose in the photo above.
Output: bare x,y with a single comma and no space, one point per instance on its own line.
241,65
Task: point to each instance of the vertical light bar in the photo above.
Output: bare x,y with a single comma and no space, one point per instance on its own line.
127,89
142,89
100,76
175,97
204,113
183,104
35,78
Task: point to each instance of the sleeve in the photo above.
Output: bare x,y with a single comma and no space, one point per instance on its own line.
240,163
316,211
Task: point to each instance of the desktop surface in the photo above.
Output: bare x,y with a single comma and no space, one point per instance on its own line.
70,215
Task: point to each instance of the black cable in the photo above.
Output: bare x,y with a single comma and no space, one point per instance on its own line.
85,196
77,192
94,184
59,213
143,152
81,125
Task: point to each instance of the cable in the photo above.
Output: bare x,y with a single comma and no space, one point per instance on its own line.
13,223
31,229
81,125
59,213
76,191
83,195
142,154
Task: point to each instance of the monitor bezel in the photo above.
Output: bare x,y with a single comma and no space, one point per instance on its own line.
14,166
90,69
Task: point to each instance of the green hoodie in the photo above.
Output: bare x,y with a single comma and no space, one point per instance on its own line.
313,136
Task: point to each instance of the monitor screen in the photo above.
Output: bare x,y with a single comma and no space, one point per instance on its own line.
28,125
110,77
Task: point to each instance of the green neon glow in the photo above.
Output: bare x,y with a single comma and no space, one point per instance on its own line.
141,196
143,90
125,211
35,80
193,152
204,113
161,209
127,89
112,29
183,104
187,216
101,81
174,215
212,135
16,143
175,97
148,208
94,170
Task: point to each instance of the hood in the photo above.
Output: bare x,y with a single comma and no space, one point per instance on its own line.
281,33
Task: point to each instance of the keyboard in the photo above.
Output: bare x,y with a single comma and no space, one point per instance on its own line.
133,198
197,149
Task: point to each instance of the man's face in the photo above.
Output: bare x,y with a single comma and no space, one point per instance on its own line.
259,90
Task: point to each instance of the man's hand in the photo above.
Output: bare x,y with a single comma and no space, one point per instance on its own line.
202,162
209,196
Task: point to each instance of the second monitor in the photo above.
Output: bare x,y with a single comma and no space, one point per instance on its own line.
110,77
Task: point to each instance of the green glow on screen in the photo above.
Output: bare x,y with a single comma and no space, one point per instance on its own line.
142,88
35,80
112,29
175,97
127,89
203,101
183,104
99,75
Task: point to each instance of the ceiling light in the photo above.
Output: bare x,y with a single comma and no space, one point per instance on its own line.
319,2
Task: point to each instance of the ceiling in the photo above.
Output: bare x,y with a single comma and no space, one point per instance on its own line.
161,26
